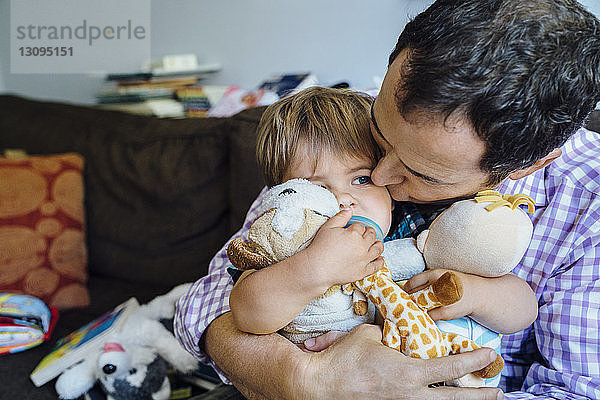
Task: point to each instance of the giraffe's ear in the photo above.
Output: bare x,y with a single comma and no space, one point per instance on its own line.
244,257
422,239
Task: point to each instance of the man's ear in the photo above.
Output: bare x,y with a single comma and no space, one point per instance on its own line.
541,163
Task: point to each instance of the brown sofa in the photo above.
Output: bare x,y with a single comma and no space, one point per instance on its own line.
161,198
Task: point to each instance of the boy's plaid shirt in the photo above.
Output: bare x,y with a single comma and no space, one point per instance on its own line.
410,221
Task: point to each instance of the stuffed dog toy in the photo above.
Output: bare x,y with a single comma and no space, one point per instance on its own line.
131,363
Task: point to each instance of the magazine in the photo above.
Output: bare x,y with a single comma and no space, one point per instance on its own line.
287,84
74,347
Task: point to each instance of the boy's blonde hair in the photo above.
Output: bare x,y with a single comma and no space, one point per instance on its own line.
335,120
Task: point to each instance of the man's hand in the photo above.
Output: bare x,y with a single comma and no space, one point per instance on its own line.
358,366
342,255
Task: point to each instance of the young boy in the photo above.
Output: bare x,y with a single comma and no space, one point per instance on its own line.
323,135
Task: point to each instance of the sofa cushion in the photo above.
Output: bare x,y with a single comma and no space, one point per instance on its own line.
246,180
42,237
157,204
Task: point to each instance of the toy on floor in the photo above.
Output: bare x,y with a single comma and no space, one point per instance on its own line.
132,362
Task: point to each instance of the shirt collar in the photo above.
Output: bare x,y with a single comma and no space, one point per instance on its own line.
533,185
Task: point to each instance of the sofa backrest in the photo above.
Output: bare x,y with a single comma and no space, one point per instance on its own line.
162,196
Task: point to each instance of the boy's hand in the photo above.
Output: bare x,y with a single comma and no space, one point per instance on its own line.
342,255
464,307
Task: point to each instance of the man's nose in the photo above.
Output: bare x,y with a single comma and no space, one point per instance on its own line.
383,176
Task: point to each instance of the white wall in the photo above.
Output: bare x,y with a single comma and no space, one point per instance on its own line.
593,6
335,39
4,42
2,85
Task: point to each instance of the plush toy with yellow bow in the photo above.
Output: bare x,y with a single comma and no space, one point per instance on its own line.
487,236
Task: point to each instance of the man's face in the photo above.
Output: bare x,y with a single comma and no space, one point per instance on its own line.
427,159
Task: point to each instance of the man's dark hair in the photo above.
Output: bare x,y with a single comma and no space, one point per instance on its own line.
525,74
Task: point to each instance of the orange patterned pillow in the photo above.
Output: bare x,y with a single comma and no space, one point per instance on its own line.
42,229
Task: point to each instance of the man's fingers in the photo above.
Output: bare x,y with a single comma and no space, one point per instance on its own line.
456,393
455,366
324,341
368,331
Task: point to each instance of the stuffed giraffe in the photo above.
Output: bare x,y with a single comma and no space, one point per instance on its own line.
407,327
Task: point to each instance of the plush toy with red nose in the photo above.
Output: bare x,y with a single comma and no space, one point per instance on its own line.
132,362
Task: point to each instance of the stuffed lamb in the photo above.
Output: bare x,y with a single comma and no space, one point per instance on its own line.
291,214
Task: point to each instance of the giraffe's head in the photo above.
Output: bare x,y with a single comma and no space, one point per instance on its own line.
486,236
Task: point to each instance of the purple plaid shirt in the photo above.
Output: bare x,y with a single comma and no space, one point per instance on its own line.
559,355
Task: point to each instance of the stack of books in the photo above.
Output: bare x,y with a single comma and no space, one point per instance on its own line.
197,101
170,88
153,91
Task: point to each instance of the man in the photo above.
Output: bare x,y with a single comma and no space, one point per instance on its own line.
478,94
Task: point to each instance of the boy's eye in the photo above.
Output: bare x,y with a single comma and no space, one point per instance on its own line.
362,180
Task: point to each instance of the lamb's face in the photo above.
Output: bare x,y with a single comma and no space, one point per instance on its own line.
292,214
291,198
296,195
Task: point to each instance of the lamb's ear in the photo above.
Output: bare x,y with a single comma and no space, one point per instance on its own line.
244,257
421,239
77,379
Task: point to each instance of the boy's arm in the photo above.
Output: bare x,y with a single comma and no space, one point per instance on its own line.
505,304
266,300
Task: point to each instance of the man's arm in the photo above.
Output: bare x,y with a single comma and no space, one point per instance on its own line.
567,335
208,297
271,367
